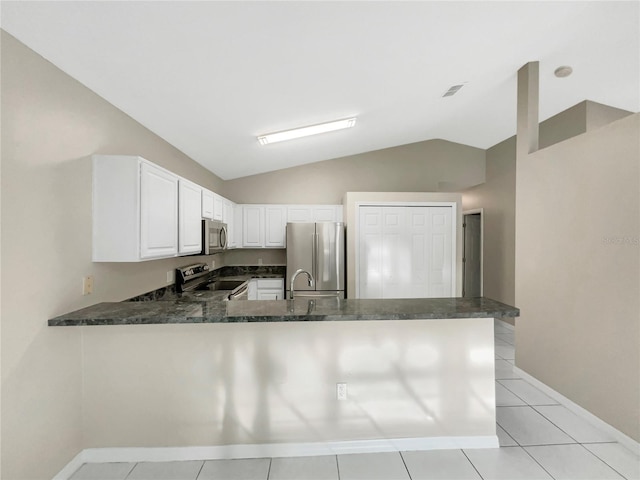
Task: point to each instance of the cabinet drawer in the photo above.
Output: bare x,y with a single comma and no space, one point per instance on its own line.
270,283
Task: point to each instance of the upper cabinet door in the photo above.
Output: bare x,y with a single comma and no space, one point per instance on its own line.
229,219
275,222
218,207
299,214
158,212
252,226
207,204
190,233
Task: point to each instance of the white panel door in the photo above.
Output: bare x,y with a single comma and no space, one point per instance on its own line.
440,252
396,253
370,267
190,218
405,252
417,232
158,212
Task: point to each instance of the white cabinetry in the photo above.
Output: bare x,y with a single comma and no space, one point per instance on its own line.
218,207
264,226
207,204
266,289
190,217
135,210
275,223
314,213
228,217
252,226
235,238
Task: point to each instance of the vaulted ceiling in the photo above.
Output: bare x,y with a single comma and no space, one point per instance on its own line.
208,77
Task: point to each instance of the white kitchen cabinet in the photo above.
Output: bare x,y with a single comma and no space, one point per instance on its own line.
314,213
135,210
190,217
218,207
275,222
228,217
252,226
266,289
263,226
235,238
207,204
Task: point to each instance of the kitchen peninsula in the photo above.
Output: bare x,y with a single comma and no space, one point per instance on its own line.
259,378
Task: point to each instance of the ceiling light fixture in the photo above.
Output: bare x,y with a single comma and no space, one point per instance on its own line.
563,71
306,131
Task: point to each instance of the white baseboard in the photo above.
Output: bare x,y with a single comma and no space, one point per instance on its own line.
166,454
620,437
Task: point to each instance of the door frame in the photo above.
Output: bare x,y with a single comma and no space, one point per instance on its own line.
454,240
464,214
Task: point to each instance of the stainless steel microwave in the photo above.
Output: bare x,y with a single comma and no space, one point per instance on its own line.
214,237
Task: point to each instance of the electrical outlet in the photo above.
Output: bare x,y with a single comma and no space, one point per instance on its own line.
213,264
341,391
170,276
87,285
259,261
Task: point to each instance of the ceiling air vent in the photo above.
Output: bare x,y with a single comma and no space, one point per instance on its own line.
453,90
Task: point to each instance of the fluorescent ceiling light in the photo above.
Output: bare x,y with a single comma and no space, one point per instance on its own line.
306,131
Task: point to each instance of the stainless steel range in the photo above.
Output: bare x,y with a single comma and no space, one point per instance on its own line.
198,277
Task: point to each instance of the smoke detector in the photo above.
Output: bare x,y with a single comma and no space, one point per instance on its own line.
563,71
453,90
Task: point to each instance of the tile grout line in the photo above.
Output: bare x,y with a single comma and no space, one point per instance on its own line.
201,467
469,460
405,465
269,470
603,461
338,466
534,459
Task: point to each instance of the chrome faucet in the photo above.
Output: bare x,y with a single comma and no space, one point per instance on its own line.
310,279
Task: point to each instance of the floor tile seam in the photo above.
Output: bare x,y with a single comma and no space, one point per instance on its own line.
508,435
588,451
337,466
605,462
534,459
536,445
200,471
469,460
405,465
130,471
557,426
269,470
529,404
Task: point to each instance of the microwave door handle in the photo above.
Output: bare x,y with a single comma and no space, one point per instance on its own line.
223,238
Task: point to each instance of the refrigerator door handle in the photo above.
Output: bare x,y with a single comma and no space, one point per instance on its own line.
314,261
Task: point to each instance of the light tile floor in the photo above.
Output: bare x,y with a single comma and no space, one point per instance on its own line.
539,439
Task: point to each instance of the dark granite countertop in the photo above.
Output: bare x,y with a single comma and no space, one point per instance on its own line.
215,310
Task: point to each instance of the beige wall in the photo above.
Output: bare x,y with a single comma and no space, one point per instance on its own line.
497,196
578,269
257,383
50,126
431,166
497,199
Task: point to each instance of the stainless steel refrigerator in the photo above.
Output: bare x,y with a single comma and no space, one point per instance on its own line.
317,248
